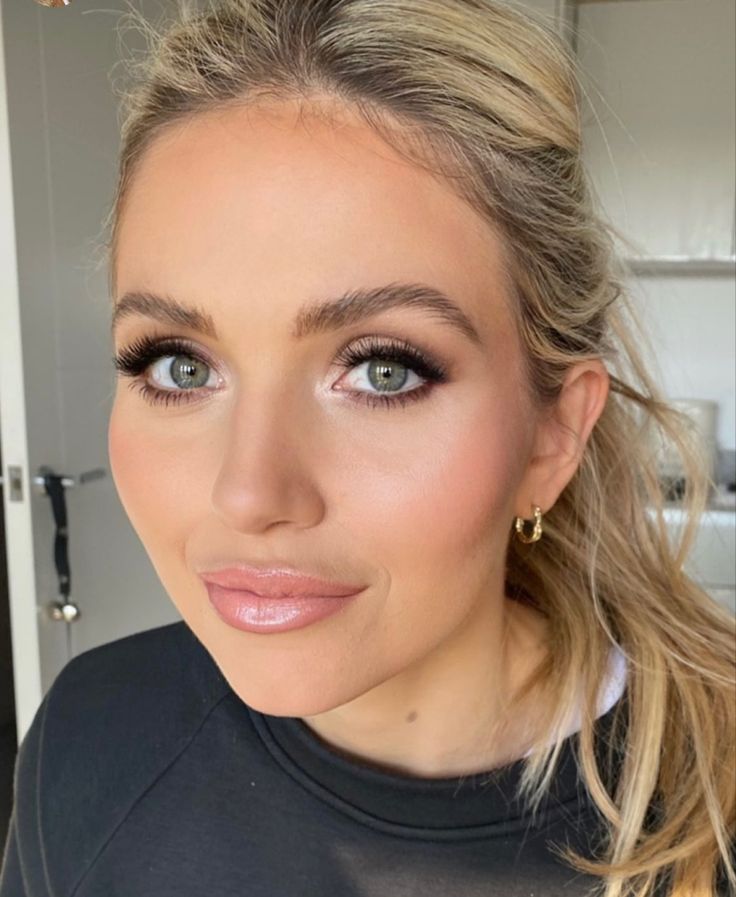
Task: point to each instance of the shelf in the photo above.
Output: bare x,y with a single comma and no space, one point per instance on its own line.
681,264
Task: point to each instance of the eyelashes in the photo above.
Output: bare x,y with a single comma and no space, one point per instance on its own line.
134,361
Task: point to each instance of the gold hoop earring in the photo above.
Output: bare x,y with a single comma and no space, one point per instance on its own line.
536,532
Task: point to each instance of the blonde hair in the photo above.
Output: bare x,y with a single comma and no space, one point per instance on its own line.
489,98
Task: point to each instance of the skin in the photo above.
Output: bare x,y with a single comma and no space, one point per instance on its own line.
249,213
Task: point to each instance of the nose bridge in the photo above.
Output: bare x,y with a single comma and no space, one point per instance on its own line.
264,474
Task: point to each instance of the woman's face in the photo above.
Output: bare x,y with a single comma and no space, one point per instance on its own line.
273,452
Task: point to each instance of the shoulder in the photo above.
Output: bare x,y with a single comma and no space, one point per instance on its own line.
140,695
143,686
142,664
115,718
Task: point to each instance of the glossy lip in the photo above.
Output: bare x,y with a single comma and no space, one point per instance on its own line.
277,582
249,612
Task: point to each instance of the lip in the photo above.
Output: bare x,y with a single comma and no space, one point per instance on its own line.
277,583
249,612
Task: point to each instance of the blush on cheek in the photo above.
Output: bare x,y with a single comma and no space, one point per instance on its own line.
472,482
439,522
138,471
467,481
162,475
124,452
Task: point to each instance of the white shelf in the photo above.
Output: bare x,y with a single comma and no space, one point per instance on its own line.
680,264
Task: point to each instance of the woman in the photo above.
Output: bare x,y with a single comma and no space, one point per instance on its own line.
384,431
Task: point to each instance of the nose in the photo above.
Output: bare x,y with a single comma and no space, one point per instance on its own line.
268,474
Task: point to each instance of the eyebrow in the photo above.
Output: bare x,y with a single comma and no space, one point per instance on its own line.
313,318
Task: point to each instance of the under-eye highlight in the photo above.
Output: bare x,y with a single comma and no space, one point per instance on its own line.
135,360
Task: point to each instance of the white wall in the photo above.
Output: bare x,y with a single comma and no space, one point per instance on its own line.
659,128
692,324
659,123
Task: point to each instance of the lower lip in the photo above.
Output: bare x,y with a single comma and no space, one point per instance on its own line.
252,613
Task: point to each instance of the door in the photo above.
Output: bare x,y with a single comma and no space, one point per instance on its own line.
58,147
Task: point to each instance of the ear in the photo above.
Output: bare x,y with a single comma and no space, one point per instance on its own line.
561,435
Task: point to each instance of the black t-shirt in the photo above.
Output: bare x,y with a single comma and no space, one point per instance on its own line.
144,775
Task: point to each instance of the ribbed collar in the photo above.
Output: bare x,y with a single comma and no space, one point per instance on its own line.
444,808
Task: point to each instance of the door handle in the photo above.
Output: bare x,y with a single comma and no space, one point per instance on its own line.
54,486
16,480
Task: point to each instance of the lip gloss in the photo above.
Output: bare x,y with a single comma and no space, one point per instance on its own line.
253,613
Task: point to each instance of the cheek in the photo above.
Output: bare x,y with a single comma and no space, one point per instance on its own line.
154,476
430,503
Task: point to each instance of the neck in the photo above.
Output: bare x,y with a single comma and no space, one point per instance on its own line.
451,713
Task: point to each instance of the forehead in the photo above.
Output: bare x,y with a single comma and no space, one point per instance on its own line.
267,199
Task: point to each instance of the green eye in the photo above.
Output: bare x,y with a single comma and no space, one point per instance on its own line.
387,376
188,372
391,362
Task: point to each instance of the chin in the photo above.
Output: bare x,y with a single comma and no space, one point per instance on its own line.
282,702
265,685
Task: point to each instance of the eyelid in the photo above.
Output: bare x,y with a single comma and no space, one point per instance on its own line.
161,343
152,348
136,359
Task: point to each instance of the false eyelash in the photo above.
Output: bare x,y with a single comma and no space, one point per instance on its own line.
397,350
134,360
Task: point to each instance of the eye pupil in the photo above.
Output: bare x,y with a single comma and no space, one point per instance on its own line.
385,372
187,372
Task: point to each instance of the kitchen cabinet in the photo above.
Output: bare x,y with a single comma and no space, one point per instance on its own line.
711,560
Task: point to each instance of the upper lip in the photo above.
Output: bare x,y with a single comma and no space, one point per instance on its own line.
277,582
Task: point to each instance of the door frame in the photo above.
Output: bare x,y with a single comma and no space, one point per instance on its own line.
13,438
